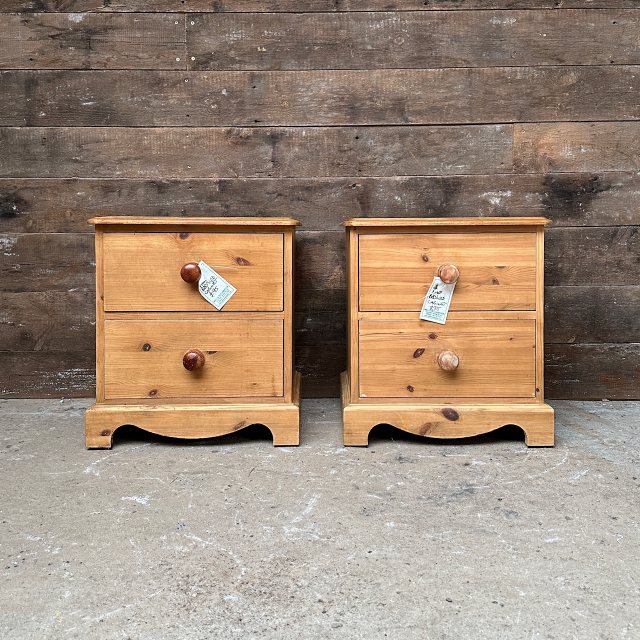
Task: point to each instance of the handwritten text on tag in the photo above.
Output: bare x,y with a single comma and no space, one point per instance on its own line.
437,301
213,287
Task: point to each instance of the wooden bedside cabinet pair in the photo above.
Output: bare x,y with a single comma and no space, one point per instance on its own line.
194,328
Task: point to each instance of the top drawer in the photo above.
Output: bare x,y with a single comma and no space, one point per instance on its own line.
142,270
497,270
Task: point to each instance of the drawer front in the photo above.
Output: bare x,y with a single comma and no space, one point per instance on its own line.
399,358
243,357
497,270
142,270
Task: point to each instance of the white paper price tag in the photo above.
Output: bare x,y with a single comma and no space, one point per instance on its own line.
437,301
213,287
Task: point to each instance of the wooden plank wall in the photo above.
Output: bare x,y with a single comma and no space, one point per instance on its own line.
352,108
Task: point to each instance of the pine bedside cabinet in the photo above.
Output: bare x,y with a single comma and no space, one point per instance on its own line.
167,360
480,370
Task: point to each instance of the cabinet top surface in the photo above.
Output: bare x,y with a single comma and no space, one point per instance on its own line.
194,221
447,222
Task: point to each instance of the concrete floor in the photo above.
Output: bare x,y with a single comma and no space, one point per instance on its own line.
231,538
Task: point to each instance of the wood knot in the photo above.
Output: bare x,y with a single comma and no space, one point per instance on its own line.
153,392
450,414
418,352
425,257
146,347
410,388
243,262
184,235
433,336
495,281
425,428
105,432
240,425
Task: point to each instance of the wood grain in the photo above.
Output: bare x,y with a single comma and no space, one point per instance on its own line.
497,270
143,357
56,321
158,153
47,374
579,371
592,314
496,358
64,204
319,98
426,39
596,255
92,41
251,6
592,371
577,146
196,421
142,270
46,262
444,420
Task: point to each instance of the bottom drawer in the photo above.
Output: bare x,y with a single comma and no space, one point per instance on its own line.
243,357
399,358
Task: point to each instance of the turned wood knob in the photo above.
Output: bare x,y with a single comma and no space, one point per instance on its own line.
448,361
448,273
190,272
193,360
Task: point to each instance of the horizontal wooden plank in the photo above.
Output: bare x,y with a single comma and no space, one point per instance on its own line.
92,41
595,255
47,374
47,320
592,371
577,146
65,204
588,314
574,256
251,6
47,262
260,152
318,98
321,366
580,371
65,320
425,39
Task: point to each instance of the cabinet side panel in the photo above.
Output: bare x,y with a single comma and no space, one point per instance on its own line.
99,317
289,347
540,316
352,311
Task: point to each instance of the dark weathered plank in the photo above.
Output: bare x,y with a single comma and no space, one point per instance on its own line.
319,98
595,255
592,371
426,39
46,262
64,205
577,146
575,256
65,320
251,6
213,153
321,366
47,320
591,314
92,41
47,374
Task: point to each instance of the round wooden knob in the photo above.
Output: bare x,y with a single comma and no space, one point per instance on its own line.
448,273
190,272
448,361
193,360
